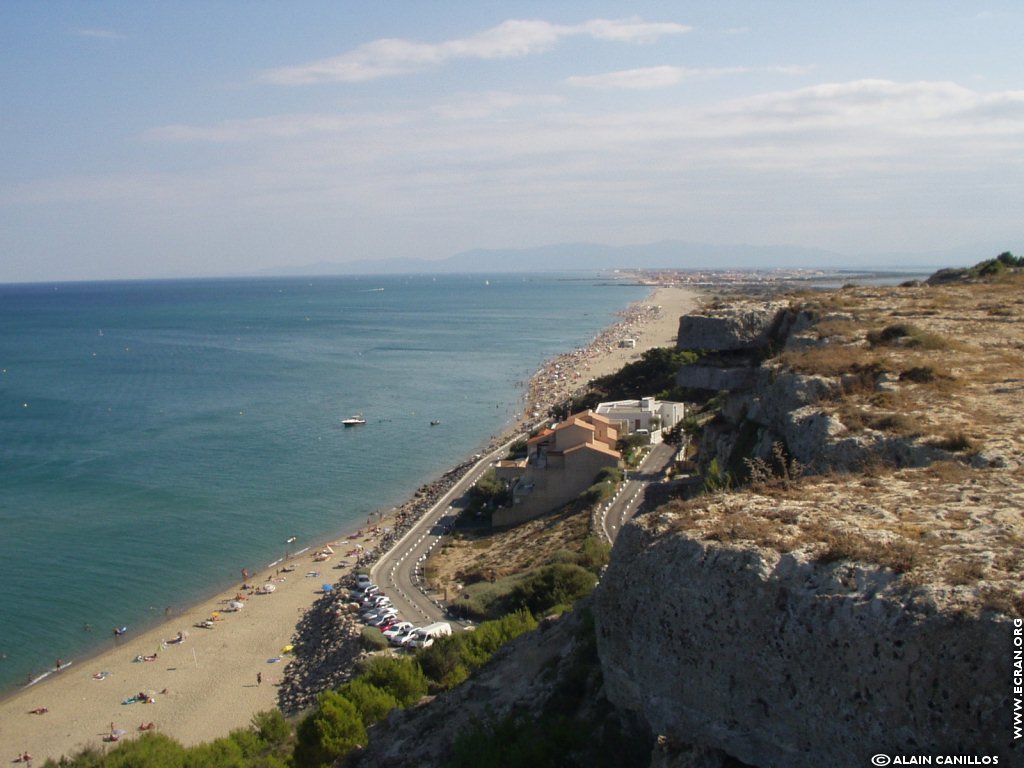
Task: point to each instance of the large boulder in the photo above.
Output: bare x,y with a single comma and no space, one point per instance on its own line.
780,661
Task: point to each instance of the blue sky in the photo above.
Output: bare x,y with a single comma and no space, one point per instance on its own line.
147,139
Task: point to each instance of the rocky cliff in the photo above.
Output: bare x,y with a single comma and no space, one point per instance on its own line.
859,595
784,659
861,376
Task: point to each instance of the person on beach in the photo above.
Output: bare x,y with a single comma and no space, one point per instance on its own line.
259,678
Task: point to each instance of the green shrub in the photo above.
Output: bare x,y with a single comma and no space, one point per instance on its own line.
221,753
372,703
486,599
908,335
402,678
442,662
371,639
488,492
152,750
609,475
716,479
517,450
330,733
273,730
558,584
595,554
478,646
598,493
450,660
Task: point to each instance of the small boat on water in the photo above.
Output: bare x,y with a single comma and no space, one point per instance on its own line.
353,421
435,422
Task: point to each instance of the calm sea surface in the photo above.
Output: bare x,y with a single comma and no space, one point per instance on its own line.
157,437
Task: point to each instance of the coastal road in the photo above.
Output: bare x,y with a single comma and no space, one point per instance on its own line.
398,571
629,497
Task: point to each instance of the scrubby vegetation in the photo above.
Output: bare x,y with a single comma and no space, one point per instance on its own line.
653,374
450,660
546,589
267,743
604,486
576,725
487,494
340,721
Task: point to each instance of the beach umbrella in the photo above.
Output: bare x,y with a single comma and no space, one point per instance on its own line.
237,605
328,587
269,587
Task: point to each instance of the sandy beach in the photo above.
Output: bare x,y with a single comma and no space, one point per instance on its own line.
206,685
653,322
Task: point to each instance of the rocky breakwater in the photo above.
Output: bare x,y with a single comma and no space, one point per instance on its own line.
737,651
326,648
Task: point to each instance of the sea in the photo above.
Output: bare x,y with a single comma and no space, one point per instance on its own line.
156,437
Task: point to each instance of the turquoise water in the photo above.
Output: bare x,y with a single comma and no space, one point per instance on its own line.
157,437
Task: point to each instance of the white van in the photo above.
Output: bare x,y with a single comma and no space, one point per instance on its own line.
424,637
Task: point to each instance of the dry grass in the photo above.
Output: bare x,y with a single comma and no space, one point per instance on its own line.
829,360
485,555
898,555
954,442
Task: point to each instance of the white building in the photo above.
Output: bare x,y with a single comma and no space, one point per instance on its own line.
647,413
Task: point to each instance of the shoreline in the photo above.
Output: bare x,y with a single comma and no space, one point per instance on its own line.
211,686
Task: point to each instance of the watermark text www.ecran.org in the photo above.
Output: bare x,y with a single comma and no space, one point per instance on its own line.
1018,678
1017,716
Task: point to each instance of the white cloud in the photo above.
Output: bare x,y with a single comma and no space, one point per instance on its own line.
274,127
510,39
631,79
648,78
104,34
848,149
627,30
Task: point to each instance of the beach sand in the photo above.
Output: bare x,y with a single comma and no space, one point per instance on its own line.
653,322
202,687
206,685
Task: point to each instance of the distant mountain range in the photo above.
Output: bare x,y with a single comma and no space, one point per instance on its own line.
667,254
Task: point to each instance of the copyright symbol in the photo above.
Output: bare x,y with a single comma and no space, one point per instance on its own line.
880,760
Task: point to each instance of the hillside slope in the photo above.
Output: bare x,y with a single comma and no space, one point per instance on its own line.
857,593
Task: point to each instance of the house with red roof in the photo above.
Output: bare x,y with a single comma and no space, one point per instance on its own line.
561,463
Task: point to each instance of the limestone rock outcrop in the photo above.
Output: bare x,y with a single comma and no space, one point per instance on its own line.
779,661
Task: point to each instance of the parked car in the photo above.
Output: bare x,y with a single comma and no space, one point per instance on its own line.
380,620
424,636
399,628
404,638
384,610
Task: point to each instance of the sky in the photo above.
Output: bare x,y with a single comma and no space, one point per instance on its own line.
148,139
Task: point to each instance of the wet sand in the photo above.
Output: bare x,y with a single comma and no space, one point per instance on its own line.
206,685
